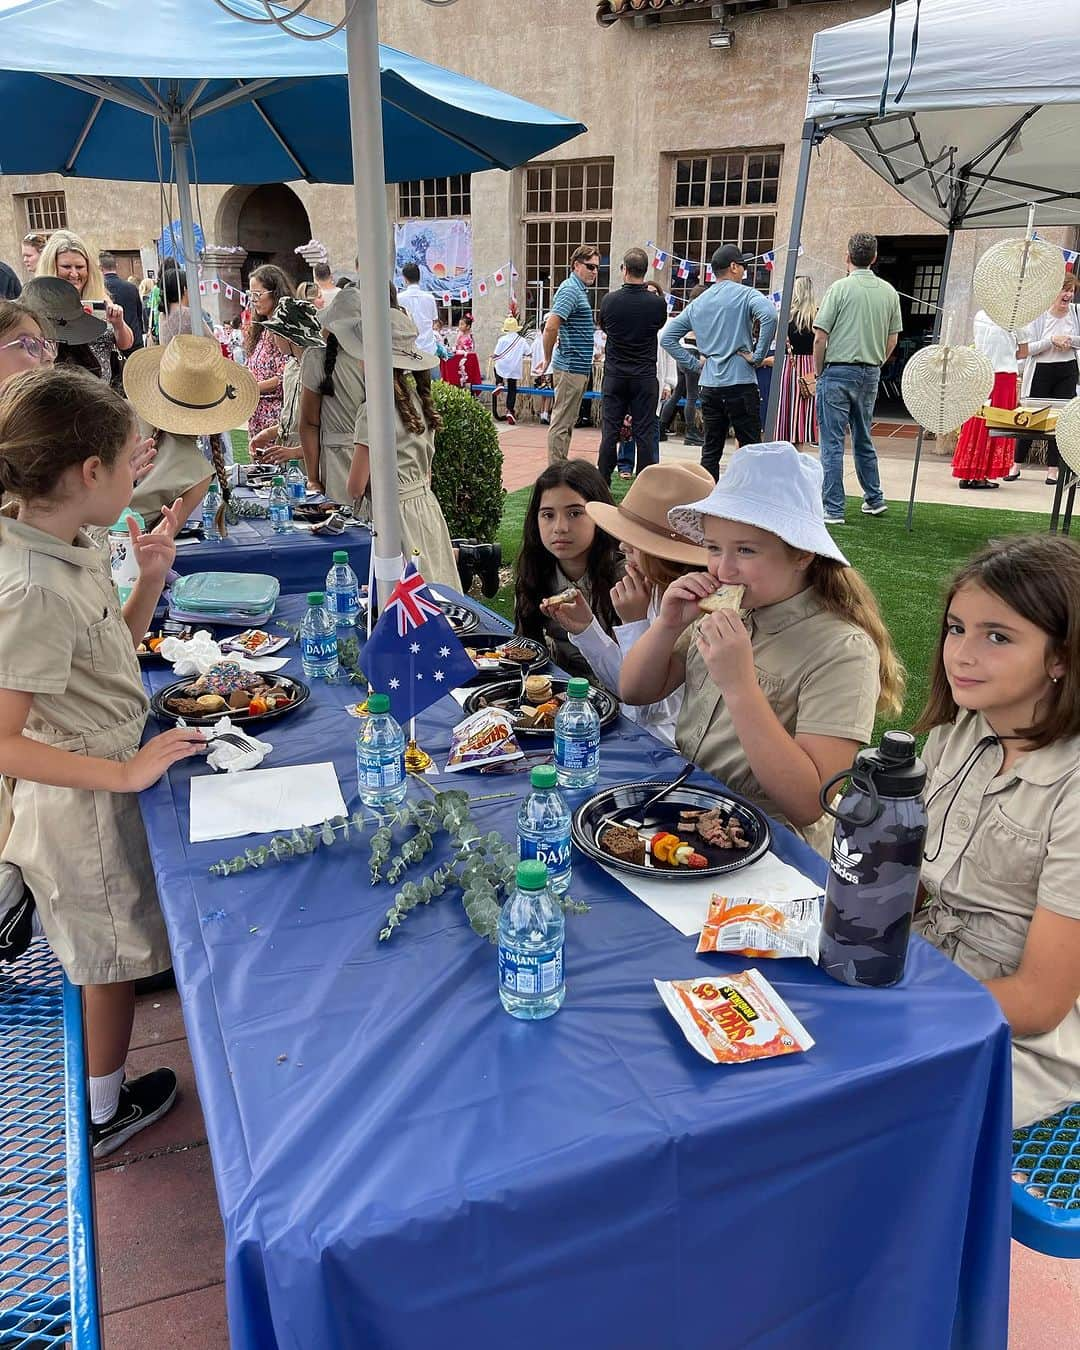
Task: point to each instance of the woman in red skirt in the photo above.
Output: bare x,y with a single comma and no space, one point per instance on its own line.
978,459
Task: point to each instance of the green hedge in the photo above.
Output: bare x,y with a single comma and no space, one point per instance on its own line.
466,475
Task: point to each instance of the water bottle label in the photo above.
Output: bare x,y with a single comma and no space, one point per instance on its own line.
845,859
344,605
375,769
554,852
578,756
279,513
297,491
318,648
525,973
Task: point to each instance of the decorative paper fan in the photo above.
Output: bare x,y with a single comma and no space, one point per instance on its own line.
943,386
1068,434
1017,280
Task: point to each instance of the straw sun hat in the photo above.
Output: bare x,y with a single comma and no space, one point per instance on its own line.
772,486
641,519
1017,280
943,386
342,318
189,388
511,325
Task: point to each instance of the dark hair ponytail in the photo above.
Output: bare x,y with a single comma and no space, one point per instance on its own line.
329,362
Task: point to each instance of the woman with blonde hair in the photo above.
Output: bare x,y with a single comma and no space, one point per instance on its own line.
67,257
797,421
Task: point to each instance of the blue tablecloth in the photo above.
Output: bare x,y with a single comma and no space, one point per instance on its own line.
299,560
401,1164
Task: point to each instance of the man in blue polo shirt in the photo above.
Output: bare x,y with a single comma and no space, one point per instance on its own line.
570,325
723,321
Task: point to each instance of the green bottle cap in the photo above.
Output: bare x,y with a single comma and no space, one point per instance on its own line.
544,776
531,874
378,703
578,688
340,556
277,481
316,598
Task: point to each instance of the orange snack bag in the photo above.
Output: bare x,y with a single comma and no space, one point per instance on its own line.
762,928
734,1018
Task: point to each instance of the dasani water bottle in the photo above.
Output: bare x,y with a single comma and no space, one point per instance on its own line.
211,504
544,828
295,483
532,930
577,738
280,509
318,640
380,756
342,591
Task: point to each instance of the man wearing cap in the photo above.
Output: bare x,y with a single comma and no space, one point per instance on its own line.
855,333
631,317
722,321
570,326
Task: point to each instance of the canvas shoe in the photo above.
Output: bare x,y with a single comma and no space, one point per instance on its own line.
835,520
869,510
142,1101
511,420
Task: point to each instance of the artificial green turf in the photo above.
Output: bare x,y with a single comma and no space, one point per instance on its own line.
907,572
241,453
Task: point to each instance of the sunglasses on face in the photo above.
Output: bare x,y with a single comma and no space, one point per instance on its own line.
38,349
590,267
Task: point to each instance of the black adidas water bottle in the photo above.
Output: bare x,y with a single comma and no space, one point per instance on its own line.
877,855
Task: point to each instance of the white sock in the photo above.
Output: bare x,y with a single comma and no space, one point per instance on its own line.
105,1096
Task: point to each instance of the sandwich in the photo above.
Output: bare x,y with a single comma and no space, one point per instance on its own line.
566,597
727,597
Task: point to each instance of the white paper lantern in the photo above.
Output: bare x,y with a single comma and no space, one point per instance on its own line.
1017,280
943,386
1068,434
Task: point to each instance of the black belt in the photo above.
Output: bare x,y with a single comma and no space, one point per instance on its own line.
869,365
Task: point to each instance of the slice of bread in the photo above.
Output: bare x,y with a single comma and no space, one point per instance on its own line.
727,597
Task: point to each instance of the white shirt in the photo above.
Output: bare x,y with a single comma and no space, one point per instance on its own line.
997,344
1038,335
538,348
606,654
326,296
508,356
422,309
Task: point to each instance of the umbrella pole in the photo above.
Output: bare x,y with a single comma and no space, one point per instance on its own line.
936,335
180,144
373,249
791,267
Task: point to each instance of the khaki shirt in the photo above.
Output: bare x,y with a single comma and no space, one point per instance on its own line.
997,847
337,414
819,673
178,465
860,312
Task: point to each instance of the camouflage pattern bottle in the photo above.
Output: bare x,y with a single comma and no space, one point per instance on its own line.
877,855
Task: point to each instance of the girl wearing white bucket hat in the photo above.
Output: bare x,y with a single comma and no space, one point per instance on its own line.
779,702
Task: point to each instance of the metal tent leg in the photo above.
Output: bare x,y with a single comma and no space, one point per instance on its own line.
791,267
936,335
372,251
180,144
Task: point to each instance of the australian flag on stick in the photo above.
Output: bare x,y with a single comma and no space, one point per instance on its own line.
413,654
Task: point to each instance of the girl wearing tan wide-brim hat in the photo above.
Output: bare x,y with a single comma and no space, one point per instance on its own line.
423,525
655,556
180,392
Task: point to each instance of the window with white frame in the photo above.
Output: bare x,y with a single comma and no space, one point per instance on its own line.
45,211
725,197
566,205
435,198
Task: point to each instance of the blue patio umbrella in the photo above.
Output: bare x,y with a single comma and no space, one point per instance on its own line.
150,90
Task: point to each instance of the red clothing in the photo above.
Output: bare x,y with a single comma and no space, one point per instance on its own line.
976,455
266,363
462,370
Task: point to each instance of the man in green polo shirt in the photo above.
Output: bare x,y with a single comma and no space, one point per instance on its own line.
855,332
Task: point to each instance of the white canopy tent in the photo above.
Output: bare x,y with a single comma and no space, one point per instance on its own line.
969,108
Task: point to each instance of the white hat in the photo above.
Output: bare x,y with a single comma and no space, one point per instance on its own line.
771,486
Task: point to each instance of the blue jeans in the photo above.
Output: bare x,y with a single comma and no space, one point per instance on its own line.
626,456
845,398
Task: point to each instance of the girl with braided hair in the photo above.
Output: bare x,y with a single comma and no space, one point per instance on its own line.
423,525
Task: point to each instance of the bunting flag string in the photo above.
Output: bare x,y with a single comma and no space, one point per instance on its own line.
688,268
1070,255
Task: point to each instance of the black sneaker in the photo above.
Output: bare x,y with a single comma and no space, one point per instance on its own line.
142,1101
17,928
488,561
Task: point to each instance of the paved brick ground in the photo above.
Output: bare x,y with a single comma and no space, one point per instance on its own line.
159,1231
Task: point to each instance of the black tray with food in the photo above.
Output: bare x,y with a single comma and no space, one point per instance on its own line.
502,657
245,696
147,650
461,618
719,833
537,694
314,513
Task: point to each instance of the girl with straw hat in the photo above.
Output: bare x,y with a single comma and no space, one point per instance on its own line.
778,702
183,391
656,555
423,525
506,360
294,329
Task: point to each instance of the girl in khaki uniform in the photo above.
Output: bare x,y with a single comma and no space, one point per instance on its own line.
423,525
1003,801
778,703
295,329
72,711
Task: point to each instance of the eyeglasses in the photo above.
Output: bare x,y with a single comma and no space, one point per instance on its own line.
36,348
590,267
258,295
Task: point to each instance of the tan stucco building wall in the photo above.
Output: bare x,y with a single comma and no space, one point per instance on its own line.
645,94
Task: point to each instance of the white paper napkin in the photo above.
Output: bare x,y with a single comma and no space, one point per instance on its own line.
263,801
684,903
